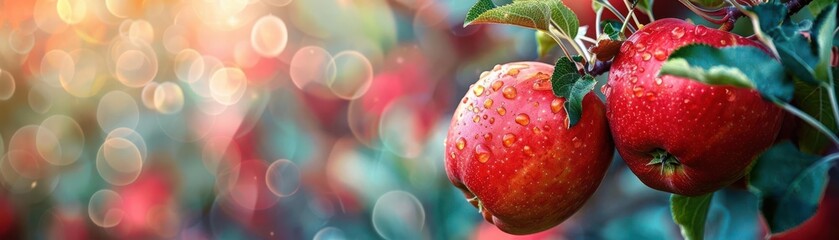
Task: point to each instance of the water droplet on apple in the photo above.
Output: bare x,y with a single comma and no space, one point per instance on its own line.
528,151
645,56
651,96
687,100
482,153
640,47
501,111
633,79
556,105
491,120
542,84
577,142
605,89
700,30
461,143
476,119
484,74
677,32
478,90
488,136
638,91
508,139
488,103
522,119
537,130
658,81
509,92
497,85
659,55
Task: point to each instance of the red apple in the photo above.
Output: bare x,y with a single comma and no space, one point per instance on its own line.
679,135
509,150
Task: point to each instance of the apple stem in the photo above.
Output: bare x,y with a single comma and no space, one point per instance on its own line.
631,13
732,13
615,11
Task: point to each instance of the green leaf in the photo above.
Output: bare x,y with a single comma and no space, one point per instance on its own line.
817,6
790,184
544,43
567,83
813,100
574,102
690,213
612,29
644,5
564,76
526,13
731,66
823,29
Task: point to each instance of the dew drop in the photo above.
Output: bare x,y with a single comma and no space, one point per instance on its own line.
640,47
528,151
700,30
497,67
509,92
677,32
488,103
482,153
513,72
646,56
542,84
638,91
476,119
577,142
461,143
556,105
485,117
659,55
658,81
484,74
487,136
651,96
478,90
508,139
687,100
497,85
491,120
633,79
501,111
537,130
522,119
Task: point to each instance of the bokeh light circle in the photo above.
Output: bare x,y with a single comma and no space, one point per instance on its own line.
103,208
119,161
269,36
398,215
60,140
133,61
310,64
168,98
188,65
329,233
227,85
71,11
21,41
7,85
56,64
353,74
147,95
142,30
277,3
283,177
85,79
117,109
130,135
23,154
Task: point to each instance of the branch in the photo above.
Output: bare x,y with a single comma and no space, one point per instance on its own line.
732,14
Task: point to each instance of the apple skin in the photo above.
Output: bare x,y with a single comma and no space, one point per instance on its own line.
525,176
715,132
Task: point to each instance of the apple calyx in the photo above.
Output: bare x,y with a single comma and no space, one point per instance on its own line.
668,162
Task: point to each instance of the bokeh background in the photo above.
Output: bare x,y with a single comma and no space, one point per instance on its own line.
265,119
